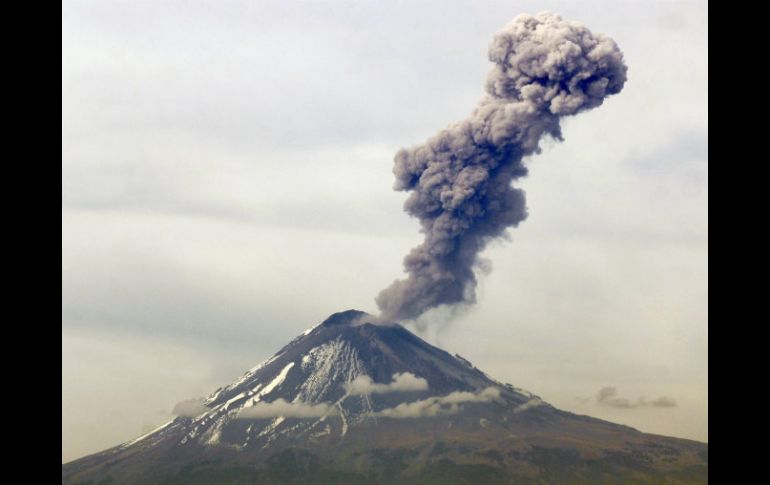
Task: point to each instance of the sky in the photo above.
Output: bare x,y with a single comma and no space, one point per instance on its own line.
226,184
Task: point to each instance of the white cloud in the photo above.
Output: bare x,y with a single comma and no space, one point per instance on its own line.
532,403
406,381
190,408
440,405
281,407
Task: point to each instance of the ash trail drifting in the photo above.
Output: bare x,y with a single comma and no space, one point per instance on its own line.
460,179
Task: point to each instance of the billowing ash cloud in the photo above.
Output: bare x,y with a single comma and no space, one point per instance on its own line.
460,179
608,396
281,407
439,406
190,408
364,384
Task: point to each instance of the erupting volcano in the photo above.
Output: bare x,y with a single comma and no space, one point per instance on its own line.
350,401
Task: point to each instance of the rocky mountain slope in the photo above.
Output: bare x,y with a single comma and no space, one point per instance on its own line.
350,401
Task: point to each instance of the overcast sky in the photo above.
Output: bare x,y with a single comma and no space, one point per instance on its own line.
227,184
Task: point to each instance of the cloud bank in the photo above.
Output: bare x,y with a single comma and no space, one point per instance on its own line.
406,381
281,407
460,179
439,406
608,396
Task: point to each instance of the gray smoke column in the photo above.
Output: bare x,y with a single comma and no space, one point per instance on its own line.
460,179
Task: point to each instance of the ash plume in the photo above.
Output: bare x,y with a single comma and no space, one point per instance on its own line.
460,179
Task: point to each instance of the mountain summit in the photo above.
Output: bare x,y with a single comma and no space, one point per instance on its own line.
352,401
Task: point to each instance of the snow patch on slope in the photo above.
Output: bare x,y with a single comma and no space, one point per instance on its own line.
327,366
270,387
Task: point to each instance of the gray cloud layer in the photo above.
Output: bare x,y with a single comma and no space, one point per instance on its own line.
608,396
281,407
406,381
460,179
439,406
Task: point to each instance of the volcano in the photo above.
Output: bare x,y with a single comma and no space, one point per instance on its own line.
353,401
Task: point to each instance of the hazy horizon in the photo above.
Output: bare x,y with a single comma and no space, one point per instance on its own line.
227,184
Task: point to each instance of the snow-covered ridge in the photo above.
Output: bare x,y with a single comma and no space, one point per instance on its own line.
322,384
271,386
326,365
